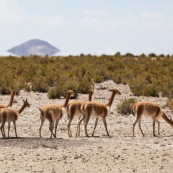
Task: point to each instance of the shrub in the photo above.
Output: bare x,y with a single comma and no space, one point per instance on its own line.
58,74
170,104
84,86
152,55
125,106
39,85
129,55
56,92
72,85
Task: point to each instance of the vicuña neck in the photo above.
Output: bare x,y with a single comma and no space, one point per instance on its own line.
11,99
66,101
90,96
22,108
167,119
109,104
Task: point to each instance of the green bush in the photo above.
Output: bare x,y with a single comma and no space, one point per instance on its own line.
56,92
56,75
125,106
170,104
39,84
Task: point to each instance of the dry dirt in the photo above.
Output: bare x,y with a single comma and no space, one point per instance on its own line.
118,153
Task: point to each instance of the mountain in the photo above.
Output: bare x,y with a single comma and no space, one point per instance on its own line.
34,47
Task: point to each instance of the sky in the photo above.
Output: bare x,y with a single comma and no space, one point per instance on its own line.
89,26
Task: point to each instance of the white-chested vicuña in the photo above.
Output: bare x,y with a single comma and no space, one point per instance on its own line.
53,113
11,115
97,110
146,108
74,109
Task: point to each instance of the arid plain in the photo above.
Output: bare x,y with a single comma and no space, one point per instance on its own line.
119,153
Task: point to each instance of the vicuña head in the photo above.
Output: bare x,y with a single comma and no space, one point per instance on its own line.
68,95
90,94
25,104
117,92
13,92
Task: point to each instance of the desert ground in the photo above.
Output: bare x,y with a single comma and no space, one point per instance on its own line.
119,153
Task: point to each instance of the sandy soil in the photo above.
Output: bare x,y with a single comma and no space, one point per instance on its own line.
118,153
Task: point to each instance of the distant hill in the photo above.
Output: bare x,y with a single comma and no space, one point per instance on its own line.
34,47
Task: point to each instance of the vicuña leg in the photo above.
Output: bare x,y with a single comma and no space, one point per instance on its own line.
96,122
51,126
105,124
8,129
42,122
2,129
56,125
85,125
78,126
14,123
140,127
154,122
158,122
69,125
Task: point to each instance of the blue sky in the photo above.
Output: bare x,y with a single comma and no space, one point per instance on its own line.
89,26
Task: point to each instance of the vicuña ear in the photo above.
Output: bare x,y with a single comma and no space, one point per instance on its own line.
41,110
22,99
111,90
91,90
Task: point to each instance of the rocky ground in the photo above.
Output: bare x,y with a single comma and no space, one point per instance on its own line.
118,153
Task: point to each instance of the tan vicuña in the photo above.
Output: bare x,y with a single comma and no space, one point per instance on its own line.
74,109
53,113
97,110
146,108
11,115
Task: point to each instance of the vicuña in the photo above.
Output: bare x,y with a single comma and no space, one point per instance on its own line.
11,115
74,109
53,113
146,108
97,110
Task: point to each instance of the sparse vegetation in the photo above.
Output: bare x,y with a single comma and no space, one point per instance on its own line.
55,75
170,104
125,106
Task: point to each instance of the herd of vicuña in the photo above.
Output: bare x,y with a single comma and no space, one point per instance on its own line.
83,110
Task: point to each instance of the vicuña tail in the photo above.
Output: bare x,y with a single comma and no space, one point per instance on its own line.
167,119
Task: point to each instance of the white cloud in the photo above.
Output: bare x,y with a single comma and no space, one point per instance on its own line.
11,11
151,20
130,21
93,20
94,13
90,23
13,14
151,16
45,22
146,20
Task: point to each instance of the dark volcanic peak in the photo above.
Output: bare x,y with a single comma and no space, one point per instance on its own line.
34,47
